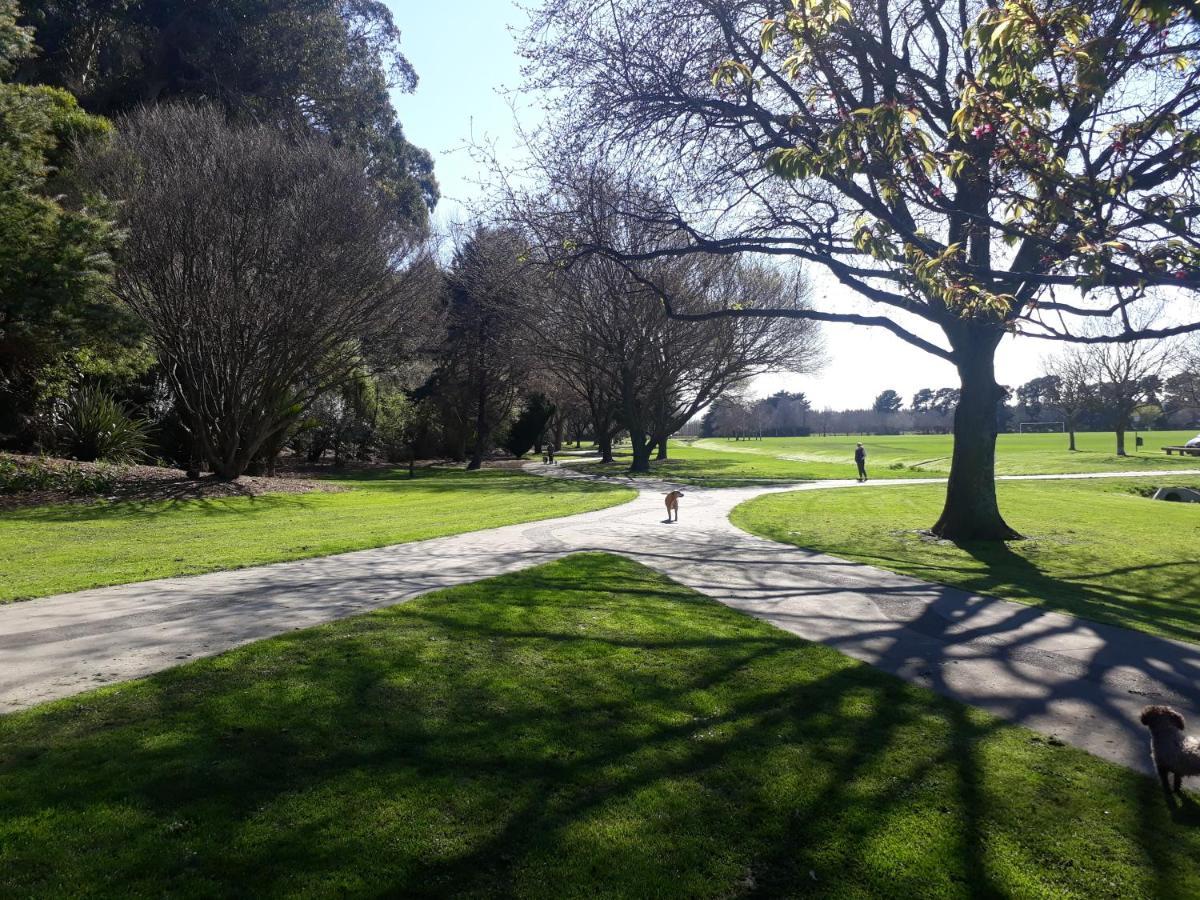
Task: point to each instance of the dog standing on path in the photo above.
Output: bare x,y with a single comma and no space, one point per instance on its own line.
1172,752
673,505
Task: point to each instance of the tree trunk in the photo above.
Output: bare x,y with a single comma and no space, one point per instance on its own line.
971,512
1121,442
1071,432
477,453
662,448
482,432
604,442
229,470
641,451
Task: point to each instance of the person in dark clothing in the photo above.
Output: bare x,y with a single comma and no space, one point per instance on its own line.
860,458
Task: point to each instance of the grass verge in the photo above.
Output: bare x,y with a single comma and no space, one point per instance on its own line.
68,547
1096,549
585,728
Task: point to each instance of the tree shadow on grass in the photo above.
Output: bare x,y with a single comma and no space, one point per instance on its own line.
1174,610
205,506
449,482
580,725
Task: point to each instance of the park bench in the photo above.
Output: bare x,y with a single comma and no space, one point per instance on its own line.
1183,451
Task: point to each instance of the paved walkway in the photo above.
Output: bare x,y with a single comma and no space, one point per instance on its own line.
1082,682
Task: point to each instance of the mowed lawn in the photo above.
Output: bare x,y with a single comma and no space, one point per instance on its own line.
68,547
710,463
586,728
929,455
718,462
1097,549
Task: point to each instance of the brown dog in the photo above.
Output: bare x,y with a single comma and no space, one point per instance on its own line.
1173,754
673,505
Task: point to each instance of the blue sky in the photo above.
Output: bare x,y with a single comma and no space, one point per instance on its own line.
466,58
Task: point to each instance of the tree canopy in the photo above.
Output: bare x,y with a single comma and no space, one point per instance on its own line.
260,264
973,169
325,65
54,255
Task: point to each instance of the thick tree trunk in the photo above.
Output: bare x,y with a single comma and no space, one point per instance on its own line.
477,453
1121,442
231,469
662,447
971,512
604,442
641,451
1072,438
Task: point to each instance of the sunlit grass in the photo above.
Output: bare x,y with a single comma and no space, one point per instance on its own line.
718,462
1096,549
68,547
581,729
1016,454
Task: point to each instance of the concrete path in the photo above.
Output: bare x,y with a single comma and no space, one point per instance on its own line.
1081,682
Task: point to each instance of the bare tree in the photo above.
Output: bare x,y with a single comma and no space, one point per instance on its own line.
258,261
1183,387
1123,377
1071,392
640,371
700,359
609,324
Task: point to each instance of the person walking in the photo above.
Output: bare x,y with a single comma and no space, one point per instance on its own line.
860,459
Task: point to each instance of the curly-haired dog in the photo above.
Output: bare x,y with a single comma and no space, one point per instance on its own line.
1172,752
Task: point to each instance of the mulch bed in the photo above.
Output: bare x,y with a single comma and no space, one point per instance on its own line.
152,483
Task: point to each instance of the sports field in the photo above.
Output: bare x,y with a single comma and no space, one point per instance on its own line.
718,462
1016,454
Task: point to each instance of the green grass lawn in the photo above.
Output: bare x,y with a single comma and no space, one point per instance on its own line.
719,462
711,464
1016,454
585,728
1095,549
54,549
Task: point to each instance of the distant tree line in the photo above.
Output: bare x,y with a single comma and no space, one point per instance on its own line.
1144,385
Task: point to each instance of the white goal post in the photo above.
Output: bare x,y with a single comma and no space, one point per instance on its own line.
1042,427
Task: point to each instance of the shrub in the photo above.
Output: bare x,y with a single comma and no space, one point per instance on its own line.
22,477
529,425
97,427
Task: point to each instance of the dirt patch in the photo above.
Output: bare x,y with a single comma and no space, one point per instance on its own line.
151,483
